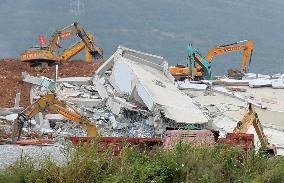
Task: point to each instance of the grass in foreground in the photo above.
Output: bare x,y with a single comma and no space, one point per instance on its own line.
184,164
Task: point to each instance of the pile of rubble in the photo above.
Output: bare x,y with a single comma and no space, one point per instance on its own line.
224,101
5,130
11,82
245,90
132,94
129,96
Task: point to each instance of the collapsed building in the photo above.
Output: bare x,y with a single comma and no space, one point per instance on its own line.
131,95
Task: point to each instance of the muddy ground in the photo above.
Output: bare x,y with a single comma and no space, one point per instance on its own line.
11,71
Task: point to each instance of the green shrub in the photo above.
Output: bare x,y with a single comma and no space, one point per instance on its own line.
87,163
274,172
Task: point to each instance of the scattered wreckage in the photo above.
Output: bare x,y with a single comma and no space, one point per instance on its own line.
131,97
127,97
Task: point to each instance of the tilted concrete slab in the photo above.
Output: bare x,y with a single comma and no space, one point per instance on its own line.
105,66
146,77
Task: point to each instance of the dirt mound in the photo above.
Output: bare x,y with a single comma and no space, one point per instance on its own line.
11,71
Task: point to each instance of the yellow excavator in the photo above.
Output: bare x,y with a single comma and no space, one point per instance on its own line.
249,118
245,46
49,53
51,103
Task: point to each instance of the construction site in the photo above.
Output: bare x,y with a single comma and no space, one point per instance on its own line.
182,122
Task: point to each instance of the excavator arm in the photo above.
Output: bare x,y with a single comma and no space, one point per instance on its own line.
86,38
247,49
197,66
77,118
24,116
49,102
250,117
195,58
75,49
64,33
89,42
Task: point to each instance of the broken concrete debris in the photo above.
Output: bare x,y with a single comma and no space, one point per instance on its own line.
257,83
278,83
149,83
186,84
17,100
42,81
250,79
128,97
11,117
75,80
7,111
133,95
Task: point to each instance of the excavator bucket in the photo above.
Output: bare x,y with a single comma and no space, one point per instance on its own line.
270,150
94,55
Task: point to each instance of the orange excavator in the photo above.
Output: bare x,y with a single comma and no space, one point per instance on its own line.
245,46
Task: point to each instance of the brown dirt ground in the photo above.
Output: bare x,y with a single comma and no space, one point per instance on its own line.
11,71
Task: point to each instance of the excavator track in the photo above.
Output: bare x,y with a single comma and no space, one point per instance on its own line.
41,64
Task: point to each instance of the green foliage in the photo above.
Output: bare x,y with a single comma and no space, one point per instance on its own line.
19,170
185,163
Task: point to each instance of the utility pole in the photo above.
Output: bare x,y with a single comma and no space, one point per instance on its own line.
76,7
